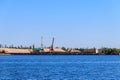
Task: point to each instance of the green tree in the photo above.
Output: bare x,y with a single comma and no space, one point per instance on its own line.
33,46
64,48
0,45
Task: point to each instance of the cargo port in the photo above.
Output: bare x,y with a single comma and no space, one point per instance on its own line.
41,51
20,50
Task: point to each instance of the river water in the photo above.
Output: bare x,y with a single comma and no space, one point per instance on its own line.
60,67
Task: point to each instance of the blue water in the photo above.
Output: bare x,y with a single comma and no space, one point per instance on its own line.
59,67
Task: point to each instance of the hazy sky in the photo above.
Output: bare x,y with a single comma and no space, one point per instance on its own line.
73,23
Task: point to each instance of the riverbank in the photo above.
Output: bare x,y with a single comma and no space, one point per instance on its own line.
13,51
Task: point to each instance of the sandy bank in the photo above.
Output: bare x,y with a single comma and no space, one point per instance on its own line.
12,50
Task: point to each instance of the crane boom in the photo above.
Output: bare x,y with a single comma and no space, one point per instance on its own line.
51,47
53,41
41,43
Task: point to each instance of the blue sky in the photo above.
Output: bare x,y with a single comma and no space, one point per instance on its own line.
73,23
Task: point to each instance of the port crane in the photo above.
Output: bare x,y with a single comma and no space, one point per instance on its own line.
51,47
41,44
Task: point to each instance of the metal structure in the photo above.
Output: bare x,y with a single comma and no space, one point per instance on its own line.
51,47
41,45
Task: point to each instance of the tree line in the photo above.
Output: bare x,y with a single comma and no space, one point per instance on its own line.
104,50
18,47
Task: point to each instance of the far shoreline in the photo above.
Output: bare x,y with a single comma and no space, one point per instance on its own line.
9,54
